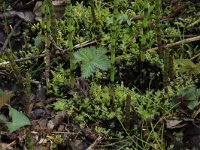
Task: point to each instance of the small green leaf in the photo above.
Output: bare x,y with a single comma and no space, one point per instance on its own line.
145,22
185,62
87,69
3,118
186,65
37,41
59,105
110,20
1,92
143,39
125,16
198,93
197,70
102,63
18,120
192,104
129,22
91,59
189,93
151,8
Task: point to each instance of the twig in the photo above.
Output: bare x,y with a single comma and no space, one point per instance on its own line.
14,66
28,93
11,144
197,55
23,59
4,48
178,36
91,147
84,44
185,41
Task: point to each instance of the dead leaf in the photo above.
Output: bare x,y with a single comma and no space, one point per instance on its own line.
174,124
6,97
57,120
27,16
59,8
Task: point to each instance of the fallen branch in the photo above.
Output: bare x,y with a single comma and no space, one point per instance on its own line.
178,36
185,41
84,44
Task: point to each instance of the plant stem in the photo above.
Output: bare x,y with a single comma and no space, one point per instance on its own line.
27,110
93,11
166,54
166,70
113,41
70,30
171,66
127,113
185,41
15,68
46,19
143,39
113,49
158,26
28,93
53,23
13,64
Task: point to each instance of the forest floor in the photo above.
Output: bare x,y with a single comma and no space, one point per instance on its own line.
98,75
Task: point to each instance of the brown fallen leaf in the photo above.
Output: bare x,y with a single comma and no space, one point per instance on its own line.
27,16
6,97
59,8
57,120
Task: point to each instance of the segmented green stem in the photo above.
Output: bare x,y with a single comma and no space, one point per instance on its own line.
53,24
93,11
163,53
70,30
113,41
16,69
46,30
10,57
171,66
166,69
70,27
28,93
27,109
113,50
143,38
158,25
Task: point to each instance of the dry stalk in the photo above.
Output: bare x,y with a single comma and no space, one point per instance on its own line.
185,41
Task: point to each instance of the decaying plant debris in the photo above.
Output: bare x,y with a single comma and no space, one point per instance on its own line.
99,74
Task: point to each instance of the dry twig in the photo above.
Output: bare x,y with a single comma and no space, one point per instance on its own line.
84,44
185,41
91,147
